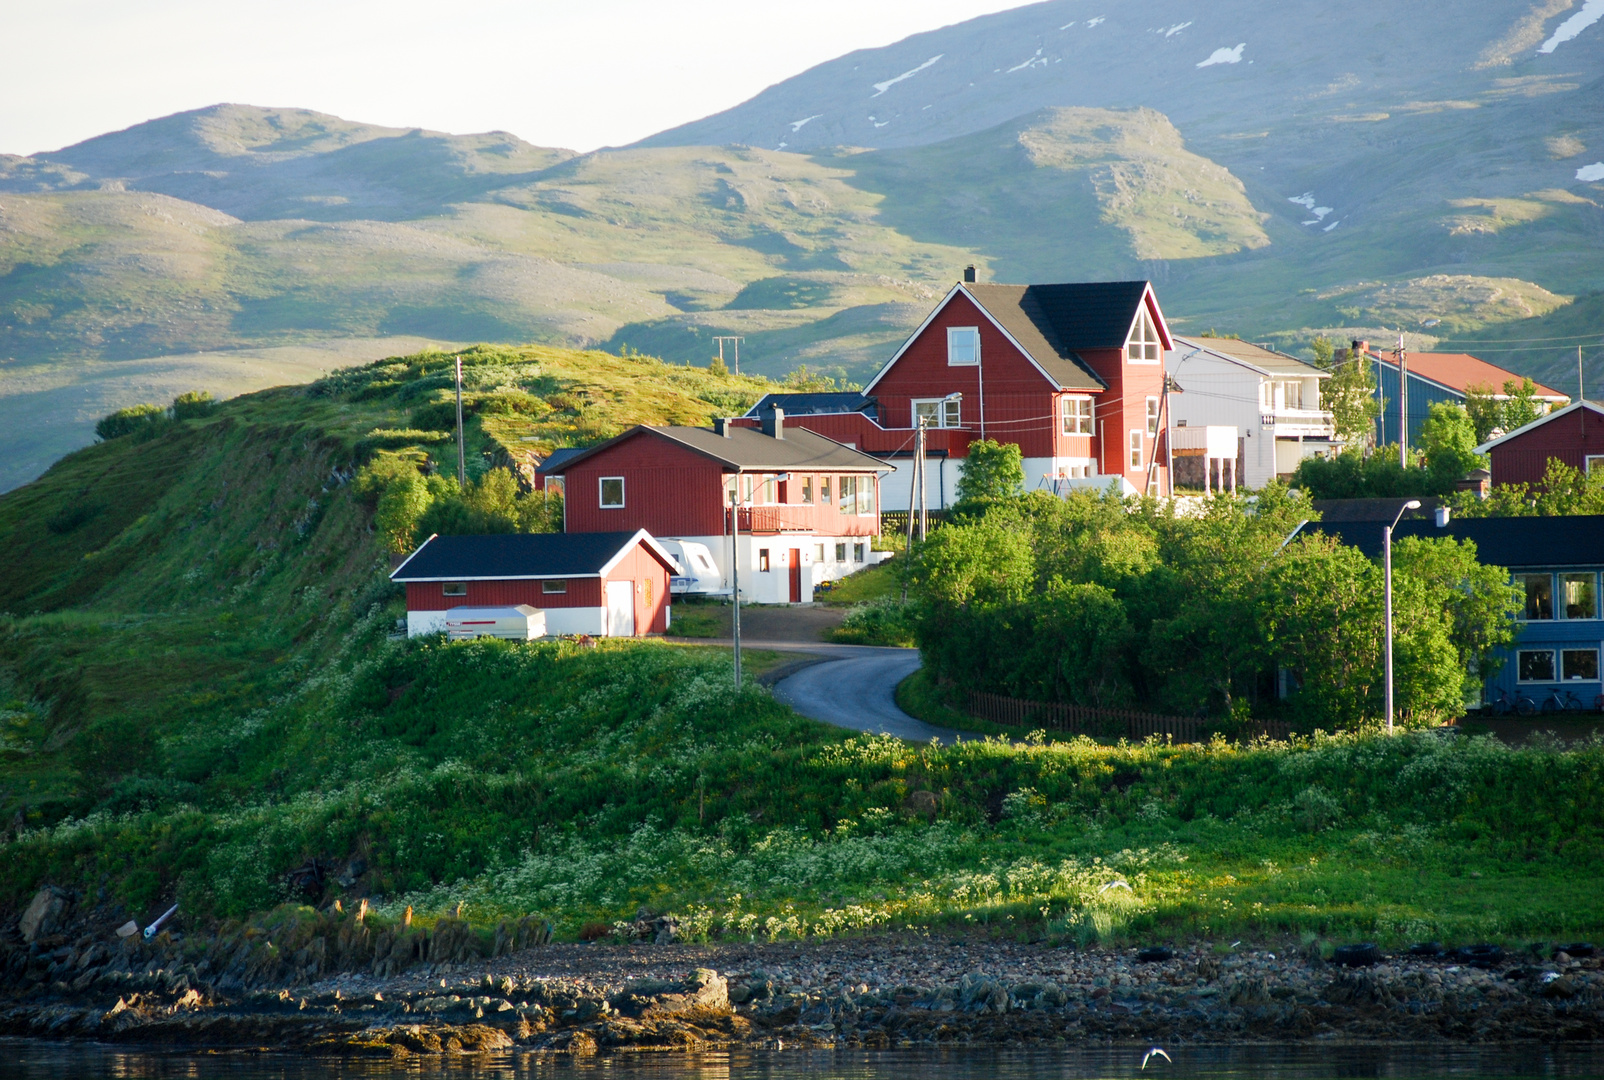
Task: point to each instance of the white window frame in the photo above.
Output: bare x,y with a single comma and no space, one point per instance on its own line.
1153,406
453,588
1553,665
1267,395
948,412
1073,422
1135,453
1290,389
1562,599
1143,344
1553,613
1564,670
554,587
601,493
966,335
1591,462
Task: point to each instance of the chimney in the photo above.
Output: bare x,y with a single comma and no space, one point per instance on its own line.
1360,346
774,423
722,425
1443,514
970,276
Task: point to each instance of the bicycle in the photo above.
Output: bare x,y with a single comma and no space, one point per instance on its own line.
1522,706
1569,704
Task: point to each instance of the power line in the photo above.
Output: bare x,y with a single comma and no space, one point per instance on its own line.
1505,341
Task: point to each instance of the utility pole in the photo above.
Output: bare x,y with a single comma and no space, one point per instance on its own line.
736,343
462,460
915,480
1403,403
735,573
919,471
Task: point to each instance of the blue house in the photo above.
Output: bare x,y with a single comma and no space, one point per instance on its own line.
1556,563
1435,377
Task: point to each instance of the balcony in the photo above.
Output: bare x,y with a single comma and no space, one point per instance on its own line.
1290,423
777,519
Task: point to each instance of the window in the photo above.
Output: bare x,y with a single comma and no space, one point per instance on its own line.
1292,395
937,412
554,586
768,491
849,494
1535,665
807,489
1266,394
454,588
824,490
857,552
612,492
1580,598
840,553
1143,345
963,346
818,552
763,560
1580,665
1594,461
1152,417
1539,590
1136,449
1076,415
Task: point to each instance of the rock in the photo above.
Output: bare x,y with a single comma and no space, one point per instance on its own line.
44,913
1562,987
703,989
922,803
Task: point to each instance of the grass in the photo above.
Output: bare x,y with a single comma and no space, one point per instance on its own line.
873,583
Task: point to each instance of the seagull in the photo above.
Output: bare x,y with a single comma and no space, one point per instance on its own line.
1117,883
1156,1050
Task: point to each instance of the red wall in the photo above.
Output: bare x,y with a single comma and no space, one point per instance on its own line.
672,491
1570,438
640,567
427,595
668,490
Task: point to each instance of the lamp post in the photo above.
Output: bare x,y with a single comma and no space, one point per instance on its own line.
1386,562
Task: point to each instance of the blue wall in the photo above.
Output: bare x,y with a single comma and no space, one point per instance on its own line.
1558,634
1421,396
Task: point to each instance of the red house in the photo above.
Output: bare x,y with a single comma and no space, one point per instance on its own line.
603,584
1574,435
1072,373
809,506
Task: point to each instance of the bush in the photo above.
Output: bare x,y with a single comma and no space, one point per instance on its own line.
132,420
885,621
193,404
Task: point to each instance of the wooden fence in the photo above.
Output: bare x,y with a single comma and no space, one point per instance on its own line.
1109,723
896,521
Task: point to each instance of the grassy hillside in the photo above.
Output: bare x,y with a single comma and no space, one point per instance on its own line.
199,694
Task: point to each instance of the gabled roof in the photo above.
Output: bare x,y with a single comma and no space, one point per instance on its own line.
558,457
1460,371
850,401
1049,324
1264,361
747,449
1509,541
1590,406
520,555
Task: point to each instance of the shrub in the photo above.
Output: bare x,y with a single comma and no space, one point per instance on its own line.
884,621
129,421
193,404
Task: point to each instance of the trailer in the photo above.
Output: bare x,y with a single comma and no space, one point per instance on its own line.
519,622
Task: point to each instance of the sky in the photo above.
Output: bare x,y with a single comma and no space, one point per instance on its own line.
578,74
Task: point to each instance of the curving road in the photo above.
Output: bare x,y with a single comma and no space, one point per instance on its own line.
855,688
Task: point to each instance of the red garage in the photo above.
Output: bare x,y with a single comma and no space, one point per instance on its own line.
611,584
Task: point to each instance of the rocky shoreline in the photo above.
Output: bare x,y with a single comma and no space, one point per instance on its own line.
878,991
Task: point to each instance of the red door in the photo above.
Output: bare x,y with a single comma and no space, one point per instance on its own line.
796,575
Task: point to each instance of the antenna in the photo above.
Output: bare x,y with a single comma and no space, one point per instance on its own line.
736,343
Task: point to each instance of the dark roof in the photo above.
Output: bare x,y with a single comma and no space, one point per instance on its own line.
1506,541
749,449
1052,322
1343,511
559,456
514,555
814,404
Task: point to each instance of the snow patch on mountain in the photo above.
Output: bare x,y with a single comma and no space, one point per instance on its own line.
1224,56
1176,29
1592,11
798,125
882,87
1032,62
1591,172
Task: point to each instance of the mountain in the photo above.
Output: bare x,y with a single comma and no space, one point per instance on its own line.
1280,170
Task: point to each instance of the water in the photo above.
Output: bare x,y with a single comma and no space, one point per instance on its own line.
26,1060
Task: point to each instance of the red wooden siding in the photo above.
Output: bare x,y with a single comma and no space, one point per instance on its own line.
641,567
668,490
429,595
1570,438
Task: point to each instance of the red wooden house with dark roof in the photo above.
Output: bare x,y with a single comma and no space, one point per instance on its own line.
1071,373
809,507
1573,435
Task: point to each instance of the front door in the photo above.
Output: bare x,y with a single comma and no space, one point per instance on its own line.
621,608
796,575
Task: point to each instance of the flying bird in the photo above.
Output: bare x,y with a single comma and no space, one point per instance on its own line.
1158,1051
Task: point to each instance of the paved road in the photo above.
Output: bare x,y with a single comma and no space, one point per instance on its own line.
856,688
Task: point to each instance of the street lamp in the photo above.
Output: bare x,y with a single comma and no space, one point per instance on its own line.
1386,543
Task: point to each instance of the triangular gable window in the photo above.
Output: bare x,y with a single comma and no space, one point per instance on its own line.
1143,345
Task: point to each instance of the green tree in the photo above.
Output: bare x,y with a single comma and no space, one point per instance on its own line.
134,419
1485,410
1520,405
400,507
192,405
1448,438
1479,600
1324,352
993,470
1350,396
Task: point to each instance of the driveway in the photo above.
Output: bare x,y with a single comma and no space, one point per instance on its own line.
855,688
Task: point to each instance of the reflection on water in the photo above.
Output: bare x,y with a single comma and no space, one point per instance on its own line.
26,1060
